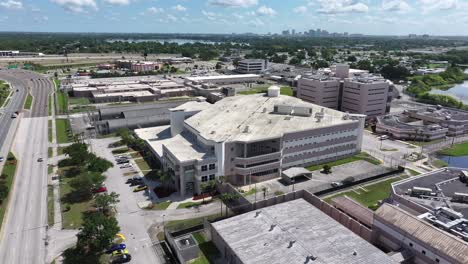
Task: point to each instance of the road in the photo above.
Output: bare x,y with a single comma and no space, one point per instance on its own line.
24,226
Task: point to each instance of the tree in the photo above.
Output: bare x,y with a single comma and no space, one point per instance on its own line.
348,180
78,153
327,169
105,201
228,198
98,232
352,58
3,192
97,164
219,65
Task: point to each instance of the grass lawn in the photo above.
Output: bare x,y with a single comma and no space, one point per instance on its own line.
161,206
62,102
49,152
455,151
9,170
28,102
186,223
50,205
50,105
412,172
60,150
82,108
71,219
250,192
439,163
50,130
208,251
78,101
120,150
61,126
361,156
372,193
142,164
425,143
4,92
188,205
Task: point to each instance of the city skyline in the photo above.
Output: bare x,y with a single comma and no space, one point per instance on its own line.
370,17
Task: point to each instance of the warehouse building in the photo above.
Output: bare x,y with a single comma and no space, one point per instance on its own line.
347,91
251,137
293,232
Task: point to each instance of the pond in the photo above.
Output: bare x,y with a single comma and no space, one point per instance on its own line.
460,162
459,91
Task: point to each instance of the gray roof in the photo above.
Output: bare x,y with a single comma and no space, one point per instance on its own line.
265,235
296,171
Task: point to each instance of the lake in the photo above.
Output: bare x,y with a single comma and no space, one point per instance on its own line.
459,91
461,162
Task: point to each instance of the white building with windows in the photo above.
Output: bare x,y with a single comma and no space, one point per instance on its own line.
250,138
251,66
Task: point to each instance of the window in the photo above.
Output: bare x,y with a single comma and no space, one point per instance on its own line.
204,168
212,177
212,166
204,178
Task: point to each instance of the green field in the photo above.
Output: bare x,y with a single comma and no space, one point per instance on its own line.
369,195
285,90
7,177
50,205
455,151
50,105
4,92
361,156
71,219
78,101
439,163
208,251
62,99
29,101
161,205
188,205
61,127
50,130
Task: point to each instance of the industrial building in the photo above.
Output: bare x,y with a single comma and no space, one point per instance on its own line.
293,232
455,120
347,90
251,66
250,138
138,66
133,116
136,89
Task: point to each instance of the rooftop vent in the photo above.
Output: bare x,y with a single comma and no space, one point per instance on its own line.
291,243
272,227
310,258
246,129
354,253
257,213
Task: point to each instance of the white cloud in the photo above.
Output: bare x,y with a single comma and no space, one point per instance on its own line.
179,8
76,6
210,15
300,9
395,5
256,22
265,11
117,2
430,5
154,10
234,3
12,4
342,6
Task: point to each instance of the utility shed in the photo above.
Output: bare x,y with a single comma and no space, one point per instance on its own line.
293,232
293,174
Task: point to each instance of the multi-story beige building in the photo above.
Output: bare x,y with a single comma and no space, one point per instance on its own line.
251,138
358,92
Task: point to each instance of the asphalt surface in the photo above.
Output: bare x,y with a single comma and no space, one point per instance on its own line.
24,227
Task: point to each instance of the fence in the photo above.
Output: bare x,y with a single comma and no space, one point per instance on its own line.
444,144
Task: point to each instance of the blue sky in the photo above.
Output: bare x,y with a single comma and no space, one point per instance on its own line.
380,17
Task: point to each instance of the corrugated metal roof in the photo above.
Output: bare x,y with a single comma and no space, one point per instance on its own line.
432,236
354,209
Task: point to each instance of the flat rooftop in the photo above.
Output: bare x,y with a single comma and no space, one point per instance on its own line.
230,118
265,235
446,180
221,77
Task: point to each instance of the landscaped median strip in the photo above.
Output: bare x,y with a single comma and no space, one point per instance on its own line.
29,101
6,181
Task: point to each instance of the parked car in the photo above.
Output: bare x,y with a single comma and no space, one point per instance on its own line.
336,184
384,137
40,160
137,178
122,161
135,183
140,188
100,189
120,252
2,159
127,165
123,259
116,247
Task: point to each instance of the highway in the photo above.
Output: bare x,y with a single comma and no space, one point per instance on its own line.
24,227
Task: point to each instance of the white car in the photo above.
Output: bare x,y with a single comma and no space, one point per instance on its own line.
2,159
125,166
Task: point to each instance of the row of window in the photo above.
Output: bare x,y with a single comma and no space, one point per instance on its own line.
315,143
208,167
334,148
205,178
424,252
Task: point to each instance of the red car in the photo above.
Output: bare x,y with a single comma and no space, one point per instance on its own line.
100,189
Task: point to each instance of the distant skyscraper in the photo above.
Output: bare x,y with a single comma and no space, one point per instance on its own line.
293,32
